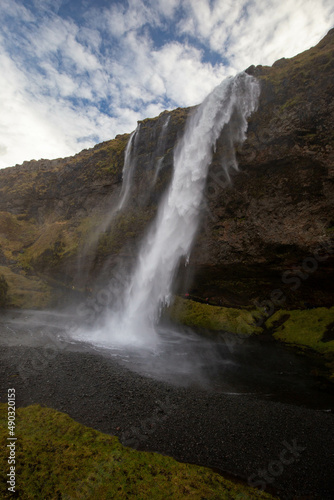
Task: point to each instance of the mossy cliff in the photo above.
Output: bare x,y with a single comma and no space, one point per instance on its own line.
270,228
212,318
309,331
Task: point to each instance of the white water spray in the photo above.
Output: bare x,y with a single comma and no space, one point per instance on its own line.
171,235
88,251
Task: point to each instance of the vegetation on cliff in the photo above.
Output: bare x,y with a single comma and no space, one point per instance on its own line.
55,213
59,458
3,291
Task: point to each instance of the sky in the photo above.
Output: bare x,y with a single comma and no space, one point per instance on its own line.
74,73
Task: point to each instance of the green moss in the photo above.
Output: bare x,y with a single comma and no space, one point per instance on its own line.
301,68
179,115
48,246
306,328
303,327
15,232
57,240
109,157
59,458
290,103
198,315
27,292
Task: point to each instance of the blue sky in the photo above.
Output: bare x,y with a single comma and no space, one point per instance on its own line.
77,72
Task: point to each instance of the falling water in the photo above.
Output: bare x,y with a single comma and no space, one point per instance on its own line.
161,147
225,111
88,251
171,235
128,168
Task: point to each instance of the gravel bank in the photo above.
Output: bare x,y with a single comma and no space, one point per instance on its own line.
241,435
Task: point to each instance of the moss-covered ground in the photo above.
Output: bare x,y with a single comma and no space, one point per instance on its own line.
208,317
57,458
310,328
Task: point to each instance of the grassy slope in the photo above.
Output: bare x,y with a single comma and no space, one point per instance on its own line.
28,244
59,458
319,57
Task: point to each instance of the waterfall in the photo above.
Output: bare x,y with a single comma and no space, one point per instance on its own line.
172,233
128,168
160,148
88,251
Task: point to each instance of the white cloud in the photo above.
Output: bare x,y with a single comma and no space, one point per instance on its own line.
16,10
166,8
257,32
187,80
65,82
48,126
119,20
22,124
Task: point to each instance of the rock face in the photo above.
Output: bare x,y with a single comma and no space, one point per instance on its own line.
278,209
269,227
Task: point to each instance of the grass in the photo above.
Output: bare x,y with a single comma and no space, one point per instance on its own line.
50,240
302,65
26,292
14,233
57,458
109,156
49,234
306,328
56,240
204,316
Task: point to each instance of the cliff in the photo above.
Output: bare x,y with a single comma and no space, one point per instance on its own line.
269,227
